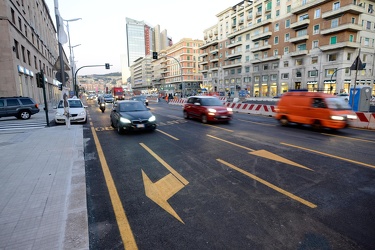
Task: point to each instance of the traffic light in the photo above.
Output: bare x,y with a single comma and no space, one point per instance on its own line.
107,66
154,55
39,80
60,86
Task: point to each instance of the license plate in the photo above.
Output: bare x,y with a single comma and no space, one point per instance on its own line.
224,116
140,125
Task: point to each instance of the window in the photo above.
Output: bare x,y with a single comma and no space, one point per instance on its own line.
348,56
247,69
316,29
334,23
333,40
332,57
265,78
313,73
277,27
288,8
13,16
336,5
286,50
351,38
239,70
315,44
299,62
286,64
275,52
285,76
301,32
277,2
303,17
247,58
287,37
298,74
16,49
256,68
247,37
301,47
353,20
276,40
367,41
247,47
287,23
265,67
314,60
317,13
368,25
277,12
275,65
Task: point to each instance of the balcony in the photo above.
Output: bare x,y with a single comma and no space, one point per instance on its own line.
351,45
214,51
215,59
209,43
203,55
266,59
234,44
300,24
261,36
299,39
301,6
234,56
350,8
232,65
261,48
340,28
203,62
298,53
252,27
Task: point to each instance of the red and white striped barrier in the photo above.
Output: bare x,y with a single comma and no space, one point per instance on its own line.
364,120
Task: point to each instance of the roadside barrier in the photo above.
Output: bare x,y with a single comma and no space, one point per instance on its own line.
364,120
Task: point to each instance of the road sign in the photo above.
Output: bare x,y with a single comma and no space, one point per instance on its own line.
59,78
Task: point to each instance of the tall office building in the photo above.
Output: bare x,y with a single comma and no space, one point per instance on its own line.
142,39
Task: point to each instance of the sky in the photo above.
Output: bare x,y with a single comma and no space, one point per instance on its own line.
101,32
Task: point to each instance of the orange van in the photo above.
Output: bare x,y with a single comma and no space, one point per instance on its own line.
313,108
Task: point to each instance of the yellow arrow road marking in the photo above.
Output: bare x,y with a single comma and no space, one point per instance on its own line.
126,233
280,190
269,155
165,188
263,153
333,156
162,190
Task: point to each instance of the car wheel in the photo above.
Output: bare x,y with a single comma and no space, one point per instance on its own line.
204,119
186,115
119,129
24,115
284,121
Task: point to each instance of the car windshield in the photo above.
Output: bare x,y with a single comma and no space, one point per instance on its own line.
132,106
211,102
72,104
139,98
107,96
337,103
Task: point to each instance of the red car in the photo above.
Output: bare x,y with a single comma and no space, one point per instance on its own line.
207,109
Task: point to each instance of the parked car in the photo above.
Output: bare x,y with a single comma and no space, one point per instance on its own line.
130,115
91,97
18,106
108,98
140,98
207,109
77,111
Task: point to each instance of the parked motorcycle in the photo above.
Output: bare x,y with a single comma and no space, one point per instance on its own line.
102,107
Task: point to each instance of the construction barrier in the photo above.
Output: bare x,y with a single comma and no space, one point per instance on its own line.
364,120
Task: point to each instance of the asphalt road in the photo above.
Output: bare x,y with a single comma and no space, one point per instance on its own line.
250,184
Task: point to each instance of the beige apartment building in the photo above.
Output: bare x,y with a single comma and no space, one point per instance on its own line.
267,47
28,45
176,70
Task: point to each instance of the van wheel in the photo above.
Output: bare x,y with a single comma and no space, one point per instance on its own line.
317,125
284,121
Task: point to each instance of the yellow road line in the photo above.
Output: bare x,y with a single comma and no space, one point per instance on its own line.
167,134
122,221
166,165
329,155
349,138
284,192
229,130
234,144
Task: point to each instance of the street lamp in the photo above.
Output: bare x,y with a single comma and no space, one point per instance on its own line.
73,66
70,50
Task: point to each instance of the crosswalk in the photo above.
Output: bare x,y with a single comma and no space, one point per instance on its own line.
8,126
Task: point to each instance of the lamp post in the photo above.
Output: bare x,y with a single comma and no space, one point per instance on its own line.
70,50
73,66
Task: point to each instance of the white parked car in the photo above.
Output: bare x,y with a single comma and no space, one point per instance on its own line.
77,111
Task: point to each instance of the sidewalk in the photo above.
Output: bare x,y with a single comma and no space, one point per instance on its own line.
43,189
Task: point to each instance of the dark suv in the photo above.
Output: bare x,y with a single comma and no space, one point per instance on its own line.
18,106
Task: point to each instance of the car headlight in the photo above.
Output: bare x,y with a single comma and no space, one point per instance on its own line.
230,109
124,120
212,110
152,119
82,113
337,118
353,117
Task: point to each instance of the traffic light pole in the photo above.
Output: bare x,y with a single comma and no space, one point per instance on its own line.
87,66
44,96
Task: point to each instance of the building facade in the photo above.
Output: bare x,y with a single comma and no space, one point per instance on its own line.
141,74
28,45
267,47
176,70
